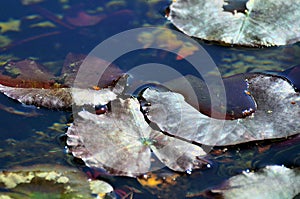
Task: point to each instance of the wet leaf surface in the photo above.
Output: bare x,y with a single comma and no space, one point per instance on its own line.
237,98
276,115
292,75
274,96
31,74
59,98
272,182
32,84
262,23
64,98
93,138
47,37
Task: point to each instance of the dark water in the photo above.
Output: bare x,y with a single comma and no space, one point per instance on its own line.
25,136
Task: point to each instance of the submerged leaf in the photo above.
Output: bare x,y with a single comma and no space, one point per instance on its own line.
30,70
165,38
121,141
277,115
30,2
26,73
104,71
82,19
263,23
50,181
273,182
10,25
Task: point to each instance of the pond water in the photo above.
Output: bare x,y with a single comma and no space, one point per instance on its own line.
45,32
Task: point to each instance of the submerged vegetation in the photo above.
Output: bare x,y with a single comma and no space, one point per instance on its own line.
50,181
82,140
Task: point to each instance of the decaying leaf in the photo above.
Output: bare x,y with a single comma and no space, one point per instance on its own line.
59,98
50,181
277,115
249,23
31,70
272,182
26,73
31,74
49,98
64,98
121,142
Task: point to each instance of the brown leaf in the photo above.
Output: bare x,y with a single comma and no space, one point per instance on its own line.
26,73
95,66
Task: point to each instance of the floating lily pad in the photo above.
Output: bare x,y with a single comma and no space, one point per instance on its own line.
237,99
273,182
50,181
64,98
59,98
121,142
249,23
278,110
